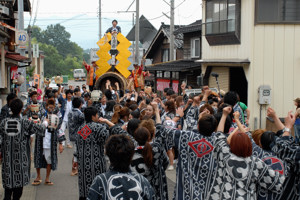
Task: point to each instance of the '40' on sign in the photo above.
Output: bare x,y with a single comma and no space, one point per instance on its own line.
21,37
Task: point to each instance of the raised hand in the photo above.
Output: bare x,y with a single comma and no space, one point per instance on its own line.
271,112
155,105
227,110
236,115
180,112
290,120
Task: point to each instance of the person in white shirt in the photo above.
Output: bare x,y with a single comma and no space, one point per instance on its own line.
68,109
45,152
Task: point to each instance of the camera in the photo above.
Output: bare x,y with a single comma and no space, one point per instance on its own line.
215,74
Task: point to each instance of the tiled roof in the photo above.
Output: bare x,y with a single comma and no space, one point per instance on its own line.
193,27
177,65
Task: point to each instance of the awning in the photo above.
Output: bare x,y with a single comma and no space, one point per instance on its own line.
226,62
16,58
174,66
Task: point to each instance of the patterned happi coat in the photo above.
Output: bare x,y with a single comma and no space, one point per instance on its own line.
90,154
196,164
75,120
15,148
156,175
192,117
270,158
286,149
237,177
116,185
39,158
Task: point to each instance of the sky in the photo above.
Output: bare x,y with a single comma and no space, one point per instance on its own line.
81,17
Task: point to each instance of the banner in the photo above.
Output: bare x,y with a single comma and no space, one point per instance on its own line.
162,84
175,84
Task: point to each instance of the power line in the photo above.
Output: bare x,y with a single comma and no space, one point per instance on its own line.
32,13
37,7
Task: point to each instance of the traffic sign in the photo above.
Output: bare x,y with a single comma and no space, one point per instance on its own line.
21,37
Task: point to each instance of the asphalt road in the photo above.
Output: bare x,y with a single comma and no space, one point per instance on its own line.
65,186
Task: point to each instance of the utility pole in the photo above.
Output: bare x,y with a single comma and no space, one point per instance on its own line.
172,38
133,49
29,42
137,32
100,24
21,51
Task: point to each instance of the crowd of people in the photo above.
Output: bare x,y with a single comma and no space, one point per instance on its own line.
125,141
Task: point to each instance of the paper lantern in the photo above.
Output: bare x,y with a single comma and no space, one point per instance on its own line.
53,122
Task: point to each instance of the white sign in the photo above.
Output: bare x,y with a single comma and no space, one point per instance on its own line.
36,51
93,54
21,38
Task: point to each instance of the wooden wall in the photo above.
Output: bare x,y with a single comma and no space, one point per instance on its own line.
274,55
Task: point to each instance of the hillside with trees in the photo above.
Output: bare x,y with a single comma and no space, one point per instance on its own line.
62,55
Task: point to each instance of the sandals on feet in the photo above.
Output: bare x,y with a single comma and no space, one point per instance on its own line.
36,182
49,183
74,173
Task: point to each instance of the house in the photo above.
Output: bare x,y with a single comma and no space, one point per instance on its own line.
9,58
184,68
252,44
147,33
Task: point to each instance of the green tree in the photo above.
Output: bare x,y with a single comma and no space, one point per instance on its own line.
62,55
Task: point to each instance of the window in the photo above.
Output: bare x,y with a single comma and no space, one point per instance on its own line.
167,75
220,16
277,11
159,74
165,56
222,25
195,47
175,75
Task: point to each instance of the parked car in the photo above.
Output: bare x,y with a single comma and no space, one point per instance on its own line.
196,92
79,75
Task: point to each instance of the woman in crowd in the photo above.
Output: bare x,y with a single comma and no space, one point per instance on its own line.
151,161
238,173
121,116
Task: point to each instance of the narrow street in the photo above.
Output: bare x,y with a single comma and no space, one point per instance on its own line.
65,186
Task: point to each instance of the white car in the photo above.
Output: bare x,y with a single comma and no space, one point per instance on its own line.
53,85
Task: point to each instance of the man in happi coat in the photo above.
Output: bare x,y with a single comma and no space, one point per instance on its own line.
15,148
90,150
119,182
75,120
45,149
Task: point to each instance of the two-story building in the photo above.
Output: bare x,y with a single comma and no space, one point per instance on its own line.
183,68
251,43
9,59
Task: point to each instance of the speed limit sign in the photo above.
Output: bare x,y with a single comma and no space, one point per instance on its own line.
21,37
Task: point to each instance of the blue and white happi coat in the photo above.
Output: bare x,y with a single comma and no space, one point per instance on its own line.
15,148
116,185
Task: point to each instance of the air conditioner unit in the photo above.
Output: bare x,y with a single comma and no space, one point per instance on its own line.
4,10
